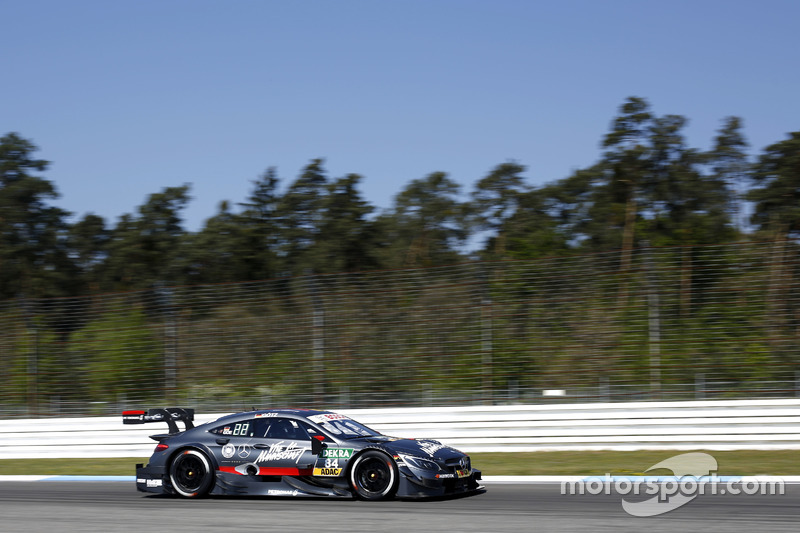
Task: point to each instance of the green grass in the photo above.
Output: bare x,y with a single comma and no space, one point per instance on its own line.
70,467
781,462
750,462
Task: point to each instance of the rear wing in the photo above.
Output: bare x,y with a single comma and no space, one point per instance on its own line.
170,415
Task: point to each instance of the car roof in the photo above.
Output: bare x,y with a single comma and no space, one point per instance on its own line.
264,413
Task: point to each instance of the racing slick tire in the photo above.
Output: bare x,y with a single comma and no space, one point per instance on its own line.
374,476
191,474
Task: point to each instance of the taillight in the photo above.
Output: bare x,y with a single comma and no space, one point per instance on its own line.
161,447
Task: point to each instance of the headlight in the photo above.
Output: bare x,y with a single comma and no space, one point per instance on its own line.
419,462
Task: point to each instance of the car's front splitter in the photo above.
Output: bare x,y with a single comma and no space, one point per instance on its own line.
421,486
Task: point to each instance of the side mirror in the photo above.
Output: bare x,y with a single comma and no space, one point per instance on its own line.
316,444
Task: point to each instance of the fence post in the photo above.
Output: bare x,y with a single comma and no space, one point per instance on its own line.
603,389
797,383
700,386
486,335
318,338
653,323
164,296
33,358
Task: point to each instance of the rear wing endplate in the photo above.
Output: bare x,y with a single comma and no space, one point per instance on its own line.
170,415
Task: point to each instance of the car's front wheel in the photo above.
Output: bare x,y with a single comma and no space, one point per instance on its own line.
374,476
191,474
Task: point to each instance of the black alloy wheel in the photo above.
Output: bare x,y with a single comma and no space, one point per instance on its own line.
374,476
191,474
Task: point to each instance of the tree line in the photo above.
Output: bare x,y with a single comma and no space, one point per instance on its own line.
648,186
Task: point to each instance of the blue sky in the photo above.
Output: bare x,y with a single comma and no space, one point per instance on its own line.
126,98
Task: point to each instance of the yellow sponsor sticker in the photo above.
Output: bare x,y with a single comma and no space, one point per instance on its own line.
327,471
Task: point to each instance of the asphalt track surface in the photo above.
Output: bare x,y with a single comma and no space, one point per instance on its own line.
116,506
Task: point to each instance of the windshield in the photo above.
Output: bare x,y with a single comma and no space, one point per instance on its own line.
341,426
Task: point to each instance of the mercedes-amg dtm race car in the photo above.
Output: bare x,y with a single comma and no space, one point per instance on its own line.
295,452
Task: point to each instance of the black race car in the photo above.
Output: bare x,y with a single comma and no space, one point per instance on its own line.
295,452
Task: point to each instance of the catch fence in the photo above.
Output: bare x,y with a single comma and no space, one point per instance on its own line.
665,324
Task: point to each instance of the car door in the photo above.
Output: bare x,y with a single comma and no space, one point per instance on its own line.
282,447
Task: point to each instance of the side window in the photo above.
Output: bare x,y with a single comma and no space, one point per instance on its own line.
235,429
261,427
284,429
311,430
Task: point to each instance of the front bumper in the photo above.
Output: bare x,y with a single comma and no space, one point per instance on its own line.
414,484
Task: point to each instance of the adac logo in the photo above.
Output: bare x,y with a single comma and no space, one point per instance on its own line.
327,471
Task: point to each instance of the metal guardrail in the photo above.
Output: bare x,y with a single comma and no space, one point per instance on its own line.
708,425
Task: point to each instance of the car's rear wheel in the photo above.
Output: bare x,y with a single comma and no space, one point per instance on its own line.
374,476
191,474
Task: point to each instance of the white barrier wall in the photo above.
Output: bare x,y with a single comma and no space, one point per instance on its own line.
707,425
